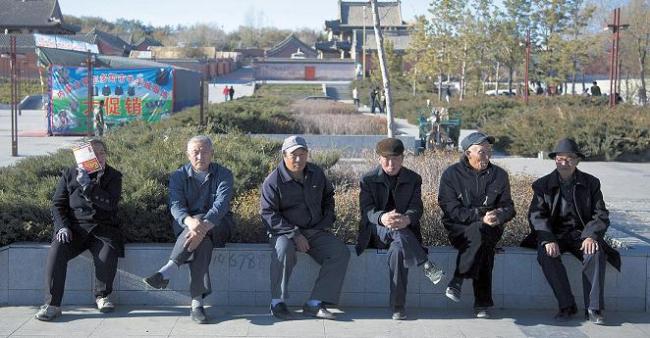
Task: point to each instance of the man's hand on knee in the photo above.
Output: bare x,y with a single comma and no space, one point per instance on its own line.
589,246
192,240
302,244
552,249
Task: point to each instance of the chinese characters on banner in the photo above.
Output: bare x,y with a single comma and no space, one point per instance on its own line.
128,95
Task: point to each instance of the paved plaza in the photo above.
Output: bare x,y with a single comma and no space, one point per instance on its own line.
354,322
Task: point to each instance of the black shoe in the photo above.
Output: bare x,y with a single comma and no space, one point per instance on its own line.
156,281
566,313
319,311
280,311
595,316
399,313
198,315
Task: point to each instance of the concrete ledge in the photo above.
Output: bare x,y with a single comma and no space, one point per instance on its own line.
240,277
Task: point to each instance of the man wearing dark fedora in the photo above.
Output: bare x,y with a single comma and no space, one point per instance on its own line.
297,207
475,200
391,206
568,214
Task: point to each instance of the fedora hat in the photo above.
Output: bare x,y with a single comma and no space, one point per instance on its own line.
566,145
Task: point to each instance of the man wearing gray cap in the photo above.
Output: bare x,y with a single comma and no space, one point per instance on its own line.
568,213
475,200
391,207
297,207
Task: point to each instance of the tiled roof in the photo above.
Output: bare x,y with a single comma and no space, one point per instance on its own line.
290,45
32,13
113,40
351,13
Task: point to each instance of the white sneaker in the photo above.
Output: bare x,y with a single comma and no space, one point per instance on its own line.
48,312
104,304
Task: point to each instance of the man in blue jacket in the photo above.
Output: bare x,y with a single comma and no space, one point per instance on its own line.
298,210
199,199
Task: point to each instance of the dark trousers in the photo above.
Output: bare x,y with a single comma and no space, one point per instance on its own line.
404,251
199,261
104,258
327,250
475,260
593,274
373,105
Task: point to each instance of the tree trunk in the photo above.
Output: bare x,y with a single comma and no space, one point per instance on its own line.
643,98
382,66
496,78
511,71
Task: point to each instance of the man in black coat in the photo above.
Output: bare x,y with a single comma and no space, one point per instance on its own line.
83,209
475,200
391,207
568,213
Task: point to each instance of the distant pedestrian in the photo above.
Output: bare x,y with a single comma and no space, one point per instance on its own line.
382,101
355,96
231,92
226,93
595,90
373,99
448,94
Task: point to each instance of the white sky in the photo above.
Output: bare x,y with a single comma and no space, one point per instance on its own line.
228,14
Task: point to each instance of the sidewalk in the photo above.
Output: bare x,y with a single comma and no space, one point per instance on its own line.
32,137
355,322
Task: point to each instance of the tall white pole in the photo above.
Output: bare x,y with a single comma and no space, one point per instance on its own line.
382,66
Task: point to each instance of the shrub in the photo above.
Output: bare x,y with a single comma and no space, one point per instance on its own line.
322,107
146,155
339,124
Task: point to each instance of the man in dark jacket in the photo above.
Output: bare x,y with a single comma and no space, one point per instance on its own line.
391,207
298,209
199,201
83,209
475,200
568,213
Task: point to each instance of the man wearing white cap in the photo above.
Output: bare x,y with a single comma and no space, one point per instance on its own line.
297,207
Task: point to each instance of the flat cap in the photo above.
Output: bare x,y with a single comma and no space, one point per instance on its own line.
292,143
475,138
390,147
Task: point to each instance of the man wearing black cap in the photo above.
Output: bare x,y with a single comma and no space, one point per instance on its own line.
298,209
475,200
391,207
568,213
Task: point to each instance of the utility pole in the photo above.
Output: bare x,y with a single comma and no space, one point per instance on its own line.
14,96
382,66
615,27
91,103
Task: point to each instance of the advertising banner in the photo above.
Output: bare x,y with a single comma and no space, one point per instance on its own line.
120,95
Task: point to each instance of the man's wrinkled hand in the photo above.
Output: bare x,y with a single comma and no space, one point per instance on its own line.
302,244
192,240
589,246
552,249
491,218
64,235
82,177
